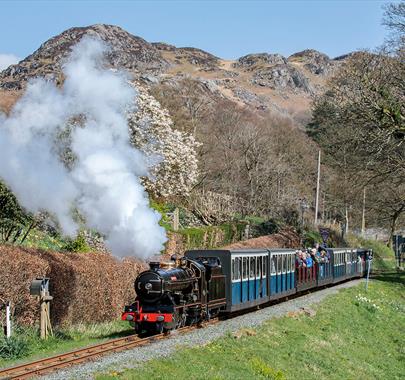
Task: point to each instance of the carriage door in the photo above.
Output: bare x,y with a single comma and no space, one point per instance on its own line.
259,274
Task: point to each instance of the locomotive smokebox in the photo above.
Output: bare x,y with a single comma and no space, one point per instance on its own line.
154,265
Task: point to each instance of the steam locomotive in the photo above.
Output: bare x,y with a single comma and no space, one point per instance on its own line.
205,283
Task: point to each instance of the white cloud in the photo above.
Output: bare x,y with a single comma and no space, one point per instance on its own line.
7,59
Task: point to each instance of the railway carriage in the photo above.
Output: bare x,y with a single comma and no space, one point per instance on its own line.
246,272
282,273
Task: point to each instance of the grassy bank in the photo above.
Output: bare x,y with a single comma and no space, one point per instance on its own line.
384,257
354,335
25,344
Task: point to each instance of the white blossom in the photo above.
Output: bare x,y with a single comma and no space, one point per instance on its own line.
172,154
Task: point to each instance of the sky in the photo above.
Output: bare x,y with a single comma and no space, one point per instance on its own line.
228,29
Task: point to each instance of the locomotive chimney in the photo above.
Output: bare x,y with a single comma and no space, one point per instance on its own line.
154,265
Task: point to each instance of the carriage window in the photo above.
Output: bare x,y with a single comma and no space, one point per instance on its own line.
244,268
252,267
285,268
233,269
273,264
258,266
278,263
238,265
236,269
292,262
264,265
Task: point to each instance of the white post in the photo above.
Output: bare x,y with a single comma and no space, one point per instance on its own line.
317,188
8,320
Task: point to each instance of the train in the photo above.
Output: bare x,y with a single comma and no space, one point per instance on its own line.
204,284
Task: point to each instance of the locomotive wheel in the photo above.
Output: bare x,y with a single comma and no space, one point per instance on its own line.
159,328
180,320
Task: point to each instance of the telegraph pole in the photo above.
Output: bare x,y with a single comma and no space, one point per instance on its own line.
317,188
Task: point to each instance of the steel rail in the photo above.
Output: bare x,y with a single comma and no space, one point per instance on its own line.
42,366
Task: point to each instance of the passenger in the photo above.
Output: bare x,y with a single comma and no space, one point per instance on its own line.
318,257
309,261
304,259
299,262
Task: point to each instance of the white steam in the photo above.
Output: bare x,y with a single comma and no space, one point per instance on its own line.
103,183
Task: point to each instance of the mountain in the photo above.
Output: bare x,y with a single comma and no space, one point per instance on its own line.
260,81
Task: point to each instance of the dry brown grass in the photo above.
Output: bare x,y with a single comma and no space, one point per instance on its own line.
87,287
8,99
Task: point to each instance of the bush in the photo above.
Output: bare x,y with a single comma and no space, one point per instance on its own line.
311,238
77,245
212,236
14,347
268,227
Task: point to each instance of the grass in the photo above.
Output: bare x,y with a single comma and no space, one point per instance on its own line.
43,240
26,345
354,335
384,257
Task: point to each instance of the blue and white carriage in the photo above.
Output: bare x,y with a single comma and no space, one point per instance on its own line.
257,276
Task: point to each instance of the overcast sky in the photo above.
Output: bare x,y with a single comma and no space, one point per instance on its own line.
228,29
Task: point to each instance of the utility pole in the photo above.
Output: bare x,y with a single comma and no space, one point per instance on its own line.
317,188
363,218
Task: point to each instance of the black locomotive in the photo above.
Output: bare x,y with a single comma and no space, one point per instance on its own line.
204,283
171,295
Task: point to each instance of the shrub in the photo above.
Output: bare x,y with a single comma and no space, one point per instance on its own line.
268,227
212,236
14,347
77,245
311,238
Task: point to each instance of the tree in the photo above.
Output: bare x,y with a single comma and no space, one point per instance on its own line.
15,222
172,153
394,20
360,123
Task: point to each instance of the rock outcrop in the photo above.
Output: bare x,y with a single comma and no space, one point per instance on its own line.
126,51
282,77
249,61
314,61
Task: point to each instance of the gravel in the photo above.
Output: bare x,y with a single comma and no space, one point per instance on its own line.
199,337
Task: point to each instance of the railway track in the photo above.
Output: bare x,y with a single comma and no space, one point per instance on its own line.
46,365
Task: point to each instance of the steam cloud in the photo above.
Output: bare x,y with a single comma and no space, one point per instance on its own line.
104,181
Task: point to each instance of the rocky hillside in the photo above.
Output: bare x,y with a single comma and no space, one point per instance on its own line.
260,81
